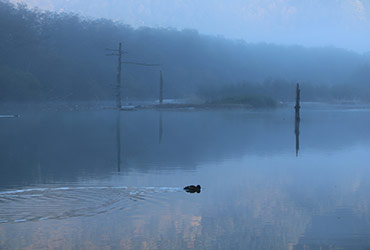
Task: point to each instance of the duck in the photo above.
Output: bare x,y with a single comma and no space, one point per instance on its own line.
192,189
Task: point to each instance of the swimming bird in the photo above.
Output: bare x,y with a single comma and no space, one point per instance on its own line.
192,189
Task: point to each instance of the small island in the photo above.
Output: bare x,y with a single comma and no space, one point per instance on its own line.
232,102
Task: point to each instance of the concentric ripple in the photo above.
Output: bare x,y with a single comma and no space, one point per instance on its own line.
37,204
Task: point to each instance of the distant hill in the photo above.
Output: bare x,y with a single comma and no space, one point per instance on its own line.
50,56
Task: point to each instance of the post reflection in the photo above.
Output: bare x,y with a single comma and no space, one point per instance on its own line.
296,131
160,128
118,140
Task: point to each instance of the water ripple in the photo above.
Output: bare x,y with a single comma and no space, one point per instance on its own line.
38,204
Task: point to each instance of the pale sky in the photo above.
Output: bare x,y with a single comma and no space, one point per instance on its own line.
339,23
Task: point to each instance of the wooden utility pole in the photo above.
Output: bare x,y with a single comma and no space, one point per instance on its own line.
119,69
160,88
119,53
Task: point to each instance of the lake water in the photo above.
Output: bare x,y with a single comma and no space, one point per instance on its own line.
96,179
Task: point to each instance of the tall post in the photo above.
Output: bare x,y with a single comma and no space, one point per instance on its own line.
297,104
297,118
160,88
118,87
119,53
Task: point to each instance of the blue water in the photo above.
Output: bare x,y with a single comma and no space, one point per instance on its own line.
95,179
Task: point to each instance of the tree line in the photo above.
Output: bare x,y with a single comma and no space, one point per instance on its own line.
47,56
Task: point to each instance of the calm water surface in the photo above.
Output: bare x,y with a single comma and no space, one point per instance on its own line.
100,180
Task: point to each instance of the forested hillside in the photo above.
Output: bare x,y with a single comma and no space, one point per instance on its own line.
47,56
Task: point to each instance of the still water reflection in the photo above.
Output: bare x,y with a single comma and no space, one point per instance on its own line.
296,131
98,179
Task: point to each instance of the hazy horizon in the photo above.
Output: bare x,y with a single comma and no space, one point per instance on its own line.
239,124
338,23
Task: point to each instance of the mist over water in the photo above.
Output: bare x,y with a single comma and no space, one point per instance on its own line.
184,124
40,62
59,170
340,23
